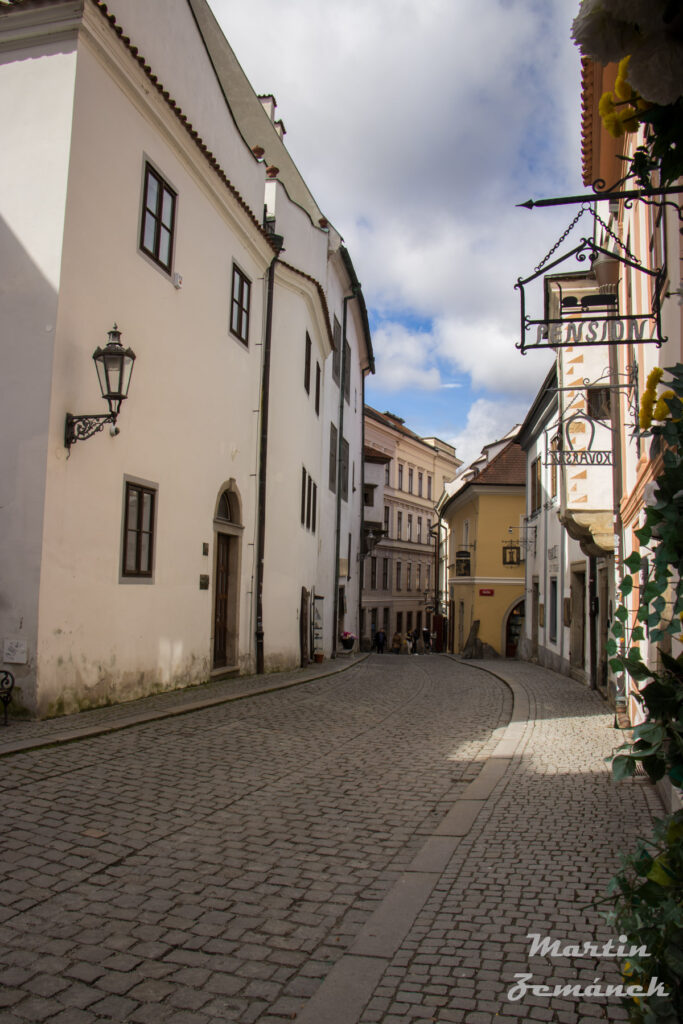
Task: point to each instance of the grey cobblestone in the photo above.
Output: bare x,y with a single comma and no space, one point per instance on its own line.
214,867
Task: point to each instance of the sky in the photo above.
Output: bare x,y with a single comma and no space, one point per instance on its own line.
418,126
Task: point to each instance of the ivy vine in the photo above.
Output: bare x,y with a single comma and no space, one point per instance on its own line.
647,894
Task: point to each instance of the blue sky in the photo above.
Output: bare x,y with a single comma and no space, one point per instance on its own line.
419,125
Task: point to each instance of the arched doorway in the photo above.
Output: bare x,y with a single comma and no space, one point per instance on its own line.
227,533
513,629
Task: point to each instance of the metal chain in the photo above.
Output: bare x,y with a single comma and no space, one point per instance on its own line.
558,243
615,238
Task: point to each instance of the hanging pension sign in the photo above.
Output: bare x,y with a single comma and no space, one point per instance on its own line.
559,333
583,309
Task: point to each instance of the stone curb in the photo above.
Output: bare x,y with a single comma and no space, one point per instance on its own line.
350,984
143,717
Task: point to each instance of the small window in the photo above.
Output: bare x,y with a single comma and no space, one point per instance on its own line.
373,573
387,471
400,477
345,470
336,355
347,371
333,458
225,511
535,486
317,388
410,481
462,563
419,485
239,306
385,574
429,487
598,403
398,575
158,219
399,525
309,501
138,531
307,364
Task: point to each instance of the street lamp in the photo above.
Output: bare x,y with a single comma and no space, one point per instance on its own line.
114,366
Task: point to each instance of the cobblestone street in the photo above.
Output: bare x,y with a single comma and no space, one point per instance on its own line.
371,846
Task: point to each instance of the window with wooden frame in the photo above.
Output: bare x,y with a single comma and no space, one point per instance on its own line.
336,355
598,404
239,305
333,458
158,219
309,501
535,486
347,371
345,470
554,447
307,364
138,531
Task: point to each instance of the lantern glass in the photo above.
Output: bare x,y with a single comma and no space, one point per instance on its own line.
114,369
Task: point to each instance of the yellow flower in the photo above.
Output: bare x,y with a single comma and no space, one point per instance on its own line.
661,410
646,409
606,105
622,90
654,377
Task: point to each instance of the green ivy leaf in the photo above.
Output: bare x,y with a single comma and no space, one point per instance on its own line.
623,767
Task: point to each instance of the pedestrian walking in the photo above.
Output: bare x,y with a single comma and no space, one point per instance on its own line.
381,638
426,640
413,640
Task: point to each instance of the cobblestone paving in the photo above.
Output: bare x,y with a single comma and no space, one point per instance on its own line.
213,868
544,845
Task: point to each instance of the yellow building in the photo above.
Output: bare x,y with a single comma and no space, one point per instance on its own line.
483,509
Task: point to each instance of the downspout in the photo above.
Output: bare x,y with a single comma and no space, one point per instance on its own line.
361,554
340,445
263,457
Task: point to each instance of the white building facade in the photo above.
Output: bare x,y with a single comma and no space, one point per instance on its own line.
197,541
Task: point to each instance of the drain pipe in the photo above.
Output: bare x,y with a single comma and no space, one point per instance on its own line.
263,457
340,446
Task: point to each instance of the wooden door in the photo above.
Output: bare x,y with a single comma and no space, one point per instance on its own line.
220,626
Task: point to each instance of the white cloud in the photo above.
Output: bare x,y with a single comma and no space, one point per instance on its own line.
418,125
487,421
404,359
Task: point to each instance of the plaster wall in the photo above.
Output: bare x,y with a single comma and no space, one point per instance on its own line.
166,35
305,245
37,86
294,444
188,426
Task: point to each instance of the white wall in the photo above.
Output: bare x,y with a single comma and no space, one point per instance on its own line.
188,426
37,85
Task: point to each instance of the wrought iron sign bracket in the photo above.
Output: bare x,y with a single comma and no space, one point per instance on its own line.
80,428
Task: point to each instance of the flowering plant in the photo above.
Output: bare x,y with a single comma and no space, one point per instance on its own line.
648,892
349,636
646,38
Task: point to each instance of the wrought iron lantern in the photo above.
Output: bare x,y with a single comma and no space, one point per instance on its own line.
114,365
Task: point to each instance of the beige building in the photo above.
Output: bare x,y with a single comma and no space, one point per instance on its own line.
403,577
